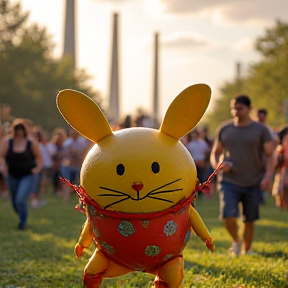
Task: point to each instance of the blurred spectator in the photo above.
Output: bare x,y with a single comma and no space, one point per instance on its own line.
127,123
55,147
144,121
41,178
204,135
280,186
199,150
262,118
208,168
262,115
23,159
29,126
3,181
6,114
75,149
184,140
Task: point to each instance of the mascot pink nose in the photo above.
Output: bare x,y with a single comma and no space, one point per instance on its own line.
137,186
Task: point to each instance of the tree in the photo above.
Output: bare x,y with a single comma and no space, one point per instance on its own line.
29,76
265,82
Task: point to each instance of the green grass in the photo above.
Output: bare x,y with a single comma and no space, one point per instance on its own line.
43,255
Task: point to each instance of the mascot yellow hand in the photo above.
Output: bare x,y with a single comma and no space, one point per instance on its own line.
137,185
79,250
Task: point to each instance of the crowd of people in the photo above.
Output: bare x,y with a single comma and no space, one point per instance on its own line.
253,159
31,161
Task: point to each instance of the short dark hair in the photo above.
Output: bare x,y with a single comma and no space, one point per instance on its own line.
262,111
242,99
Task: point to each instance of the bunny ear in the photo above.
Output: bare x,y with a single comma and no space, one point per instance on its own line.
83,114
186,110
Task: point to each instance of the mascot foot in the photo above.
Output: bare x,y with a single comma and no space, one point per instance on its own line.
158,283
92,280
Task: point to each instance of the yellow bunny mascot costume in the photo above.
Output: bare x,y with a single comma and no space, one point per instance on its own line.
137,186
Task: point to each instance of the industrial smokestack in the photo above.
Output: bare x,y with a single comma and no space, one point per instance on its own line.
69,32
155,82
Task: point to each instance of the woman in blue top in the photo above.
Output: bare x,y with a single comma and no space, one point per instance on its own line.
22,159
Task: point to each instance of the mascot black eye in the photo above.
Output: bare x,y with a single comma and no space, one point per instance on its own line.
155,167
120,169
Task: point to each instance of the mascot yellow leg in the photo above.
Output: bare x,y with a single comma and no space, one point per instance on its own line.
98,267
170,275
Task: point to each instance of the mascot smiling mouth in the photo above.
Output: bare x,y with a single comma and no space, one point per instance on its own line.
137,186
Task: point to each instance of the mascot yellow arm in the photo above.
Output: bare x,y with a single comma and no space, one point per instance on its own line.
85,239
186,110
86,236
200,229
83,114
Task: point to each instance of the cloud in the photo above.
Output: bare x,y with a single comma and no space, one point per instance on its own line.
112,1
230,10
257,11
244,45
175,41
190,6
184,40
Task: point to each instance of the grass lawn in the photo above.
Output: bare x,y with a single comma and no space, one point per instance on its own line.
43,255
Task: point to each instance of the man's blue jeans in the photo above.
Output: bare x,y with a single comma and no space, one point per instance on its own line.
20,189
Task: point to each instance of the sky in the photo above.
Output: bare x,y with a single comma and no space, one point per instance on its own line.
199,42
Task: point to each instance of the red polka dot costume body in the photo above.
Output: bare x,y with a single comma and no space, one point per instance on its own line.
152,238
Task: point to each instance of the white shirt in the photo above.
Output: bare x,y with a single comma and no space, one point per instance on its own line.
198,149
47,161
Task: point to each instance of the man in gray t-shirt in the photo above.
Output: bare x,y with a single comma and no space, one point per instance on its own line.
240,145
